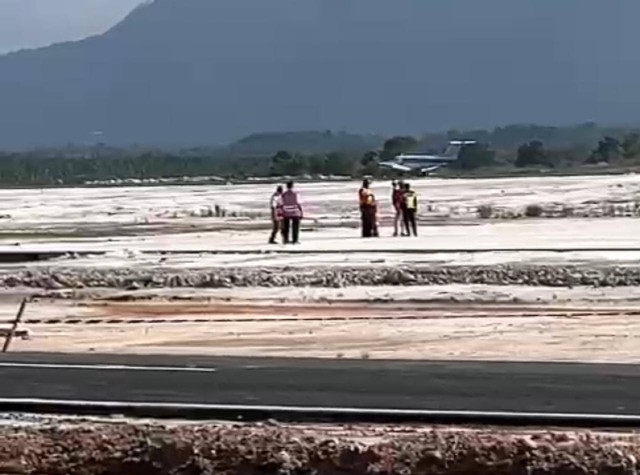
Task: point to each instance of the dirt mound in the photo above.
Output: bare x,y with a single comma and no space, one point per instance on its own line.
124,450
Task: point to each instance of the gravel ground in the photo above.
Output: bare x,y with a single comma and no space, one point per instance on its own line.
140,450
133,279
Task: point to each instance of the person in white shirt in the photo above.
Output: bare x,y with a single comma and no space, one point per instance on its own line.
276,214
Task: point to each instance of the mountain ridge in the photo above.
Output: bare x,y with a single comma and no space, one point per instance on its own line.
198,72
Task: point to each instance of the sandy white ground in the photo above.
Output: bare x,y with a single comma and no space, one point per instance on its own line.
613,339
337,259
543,233
124,221
71,210
576,325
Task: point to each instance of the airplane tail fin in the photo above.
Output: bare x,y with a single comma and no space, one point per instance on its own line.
453,150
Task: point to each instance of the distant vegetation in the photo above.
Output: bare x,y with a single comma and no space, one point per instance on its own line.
511,150
304,142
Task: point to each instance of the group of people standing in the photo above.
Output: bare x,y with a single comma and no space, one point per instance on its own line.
286,212
405,205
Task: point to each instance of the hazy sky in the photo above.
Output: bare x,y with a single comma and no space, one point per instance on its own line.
30,23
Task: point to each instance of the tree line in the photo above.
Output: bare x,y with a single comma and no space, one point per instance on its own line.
608,151
567,149
534,154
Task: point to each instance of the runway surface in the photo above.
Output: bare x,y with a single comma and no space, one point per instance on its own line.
475,386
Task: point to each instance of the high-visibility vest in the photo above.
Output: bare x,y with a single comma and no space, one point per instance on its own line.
367,198
290,205
411,199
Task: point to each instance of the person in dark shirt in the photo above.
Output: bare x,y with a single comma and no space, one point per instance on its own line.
410,210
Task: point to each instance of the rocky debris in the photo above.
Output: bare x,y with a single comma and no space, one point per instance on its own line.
15,419
141,450
141,278
590,209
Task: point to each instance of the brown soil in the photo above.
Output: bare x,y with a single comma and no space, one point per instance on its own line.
162,308
146,450
394,330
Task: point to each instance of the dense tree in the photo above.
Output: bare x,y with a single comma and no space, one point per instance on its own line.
284,163
608,150
567,157
281,162
397,145
532,154
340,163
317,164
630,145
474,156
369,163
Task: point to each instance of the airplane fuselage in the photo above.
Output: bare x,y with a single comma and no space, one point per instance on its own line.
417,163
424,163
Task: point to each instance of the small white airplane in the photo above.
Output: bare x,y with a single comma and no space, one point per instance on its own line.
424,163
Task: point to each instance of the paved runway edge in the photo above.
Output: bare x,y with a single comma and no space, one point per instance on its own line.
358,384
239,413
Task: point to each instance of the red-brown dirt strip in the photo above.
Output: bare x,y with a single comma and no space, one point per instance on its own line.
145,450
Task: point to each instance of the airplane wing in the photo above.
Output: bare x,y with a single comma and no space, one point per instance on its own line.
431,169
396,166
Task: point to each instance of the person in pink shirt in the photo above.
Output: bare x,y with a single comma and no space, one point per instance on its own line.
292,215
397,198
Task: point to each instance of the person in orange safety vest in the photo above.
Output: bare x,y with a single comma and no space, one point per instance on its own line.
368,210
